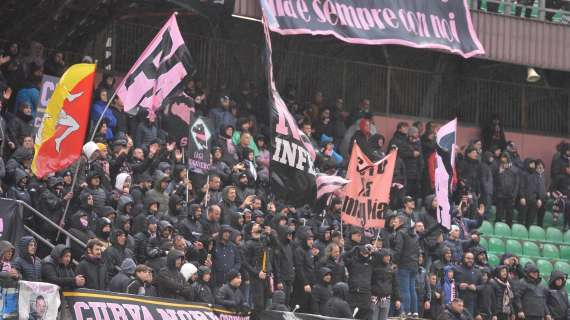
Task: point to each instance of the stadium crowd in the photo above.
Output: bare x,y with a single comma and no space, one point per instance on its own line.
155,227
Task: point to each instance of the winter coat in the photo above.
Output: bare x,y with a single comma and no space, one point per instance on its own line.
30,267
506,184
485,300
57,273
284,261
171,283
414,165
304,263
321,292
95,272
384,282
449,314
225,258
190,227
463,274
115,255
471,171
18,193
406,249
337,267
532,186
360,276
52,207
337,306
557,298
278,302
97,112
159,195
530,298
201,292
142,289
5,277
122,279
80,232
230,297
145,133
457,247
253,263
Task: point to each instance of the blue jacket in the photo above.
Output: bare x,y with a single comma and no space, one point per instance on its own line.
96,112
226,258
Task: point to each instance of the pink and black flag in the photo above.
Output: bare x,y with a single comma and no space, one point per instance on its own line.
328,184
158,72
445,167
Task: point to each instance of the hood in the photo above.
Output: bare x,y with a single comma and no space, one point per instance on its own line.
445,250
83,200
75,222
22,154
54,181
159,177
428,201
150,199
89,149
340,290
19,174
113,237
445,270
192,209
128,266
530,267
101,223
498,270
176,171
282,233
122,203
58,251
382,254
6,245
172,202
121,220
121,179
163,166
278,297
23,246
105,211
557,274
171,258
322,272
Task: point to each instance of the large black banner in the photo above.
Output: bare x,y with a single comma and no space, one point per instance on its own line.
178,113
101,305
11,224
200,141
292,169
437,24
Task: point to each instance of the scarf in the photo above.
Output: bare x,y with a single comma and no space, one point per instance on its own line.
449,291
507,296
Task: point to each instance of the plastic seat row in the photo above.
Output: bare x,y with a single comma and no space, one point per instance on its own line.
544,266
519,231
526,248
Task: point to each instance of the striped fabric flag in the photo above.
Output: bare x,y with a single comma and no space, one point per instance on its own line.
158,72
62,131
329,184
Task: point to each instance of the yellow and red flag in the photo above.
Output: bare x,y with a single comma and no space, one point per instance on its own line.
62,132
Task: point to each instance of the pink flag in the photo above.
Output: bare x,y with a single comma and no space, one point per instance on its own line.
159,70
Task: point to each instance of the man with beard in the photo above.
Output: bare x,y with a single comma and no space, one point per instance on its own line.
211,225
229,204
139,189
468,278
530,296
92,267
244,190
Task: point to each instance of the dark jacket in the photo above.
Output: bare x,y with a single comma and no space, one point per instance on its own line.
304,262
485,297
471,171
122,279
30,267
505,184
384,282
142,289
337,307
406,248
201,292
321,292
530,297
557,298
226,258
230,297
95,272
414,165
171,283
5,277
449,314
463,274
284,260
115,255
57,273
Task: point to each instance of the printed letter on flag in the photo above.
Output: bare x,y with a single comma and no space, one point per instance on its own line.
158,71
445,166
368,192
62,132
292,171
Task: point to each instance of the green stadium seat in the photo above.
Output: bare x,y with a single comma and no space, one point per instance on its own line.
497,245
536,233
562,266
514,247
483,243
519,231
565,252
524,260
554,235
545,267
531,249
567,236
550,251
486,228
493,260
548,221
502,229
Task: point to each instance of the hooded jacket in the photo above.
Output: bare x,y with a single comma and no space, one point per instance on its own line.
499,291
530,296
230,297
8,281
170,281
406,248
321,292
16,162
384,282
464,274
122,279
278,302
116,254
284,260
120,224
557,297
304,261
30,267
532,186
16,192
337,307
81,232
55,272
226,258
158,194
99,194
189,226
52,206
229,208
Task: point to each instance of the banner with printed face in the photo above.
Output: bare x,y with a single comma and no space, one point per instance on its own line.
442,25
368,192
92,304
38,300
200,139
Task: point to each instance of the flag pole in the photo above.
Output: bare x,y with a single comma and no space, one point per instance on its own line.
102,114
73,182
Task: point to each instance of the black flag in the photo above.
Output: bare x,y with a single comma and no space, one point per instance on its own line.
200,139
292,169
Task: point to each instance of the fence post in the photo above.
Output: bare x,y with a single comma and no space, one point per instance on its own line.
388,89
